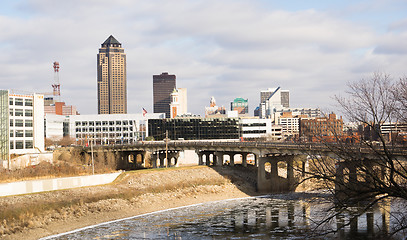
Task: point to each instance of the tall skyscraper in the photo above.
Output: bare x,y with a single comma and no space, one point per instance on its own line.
112,86
163,85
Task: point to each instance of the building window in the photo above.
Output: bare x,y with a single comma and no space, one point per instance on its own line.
11,112
28,144
19,123
28,123
11,122
11,101
28,113
11,145
11,133
19,145
19,133
28,102
19,112
28,133
19,102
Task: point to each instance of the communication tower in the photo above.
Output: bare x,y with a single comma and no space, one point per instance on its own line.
56,86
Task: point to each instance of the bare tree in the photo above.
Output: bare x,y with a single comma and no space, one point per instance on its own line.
66,141
367,171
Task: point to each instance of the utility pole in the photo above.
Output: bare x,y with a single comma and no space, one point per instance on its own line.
166,147
93,162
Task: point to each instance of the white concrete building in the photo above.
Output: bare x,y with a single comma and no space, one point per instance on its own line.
178,105
260,128
272,100
54,126
110,128
21,123
290,125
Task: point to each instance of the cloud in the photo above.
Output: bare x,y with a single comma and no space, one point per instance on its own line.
225,49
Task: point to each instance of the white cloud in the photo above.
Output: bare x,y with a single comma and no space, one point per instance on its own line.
225,49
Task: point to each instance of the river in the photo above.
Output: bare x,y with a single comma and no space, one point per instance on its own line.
277,216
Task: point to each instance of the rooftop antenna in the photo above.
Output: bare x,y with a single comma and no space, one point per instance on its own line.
56,86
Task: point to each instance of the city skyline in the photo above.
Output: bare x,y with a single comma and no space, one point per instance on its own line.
312,49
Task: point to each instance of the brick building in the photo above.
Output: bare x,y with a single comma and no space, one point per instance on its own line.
314,129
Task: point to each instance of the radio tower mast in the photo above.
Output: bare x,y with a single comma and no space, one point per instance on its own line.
56,86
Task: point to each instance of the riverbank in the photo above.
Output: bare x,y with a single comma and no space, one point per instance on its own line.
43,214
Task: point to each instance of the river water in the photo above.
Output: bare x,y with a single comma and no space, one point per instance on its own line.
277,216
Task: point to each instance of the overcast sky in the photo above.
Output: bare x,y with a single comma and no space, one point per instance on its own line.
220,48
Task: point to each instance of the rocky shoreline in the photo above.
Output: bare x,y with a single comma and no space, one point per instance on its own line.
134,193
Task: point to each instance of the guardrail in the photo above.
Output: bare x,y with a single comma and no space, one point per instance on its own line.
304,147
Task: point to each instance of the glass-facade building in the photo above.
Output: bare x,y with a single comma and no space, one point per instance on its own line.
194,128
163,85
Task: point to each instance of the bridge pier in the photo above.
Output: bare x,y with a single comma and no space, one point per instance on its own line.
268,179
244,159
351,178
200,157
218,159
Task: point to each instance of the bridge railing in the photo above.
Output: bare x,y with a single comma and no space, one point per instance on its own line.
305,147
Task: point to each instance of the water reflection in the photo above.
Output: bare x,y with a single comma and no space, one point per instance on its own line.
281,216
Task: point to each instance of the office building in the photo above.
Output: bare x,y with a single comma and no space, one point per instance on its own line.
194,128
110,128
111,78
315,128
21,124
290,124
272,100
240,105
163,85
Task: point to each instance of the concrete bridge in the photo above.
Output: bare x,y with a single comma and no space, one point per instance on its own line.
280,166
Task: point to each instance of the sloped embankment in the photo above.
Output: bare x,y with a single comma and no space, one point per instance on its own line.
37,215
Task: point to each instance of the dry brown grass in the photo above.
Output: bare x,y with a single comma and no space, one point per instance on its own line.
67,162
16,217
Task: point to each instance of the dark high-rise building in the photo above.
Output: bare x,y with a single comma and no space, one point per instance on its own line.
112,93
163,85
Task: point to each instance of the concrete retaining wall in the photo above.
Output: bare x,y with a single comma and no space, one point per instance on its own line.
26,160
34,186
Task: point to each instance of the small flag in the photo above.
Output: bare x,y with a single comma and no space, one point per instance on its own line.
144,112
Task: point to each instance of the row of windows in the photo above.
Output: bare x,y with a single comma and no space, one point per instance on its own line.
20,102
104,129
20,133
254,124
28,144
110,135
21,112
20,123
254,131
103,123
